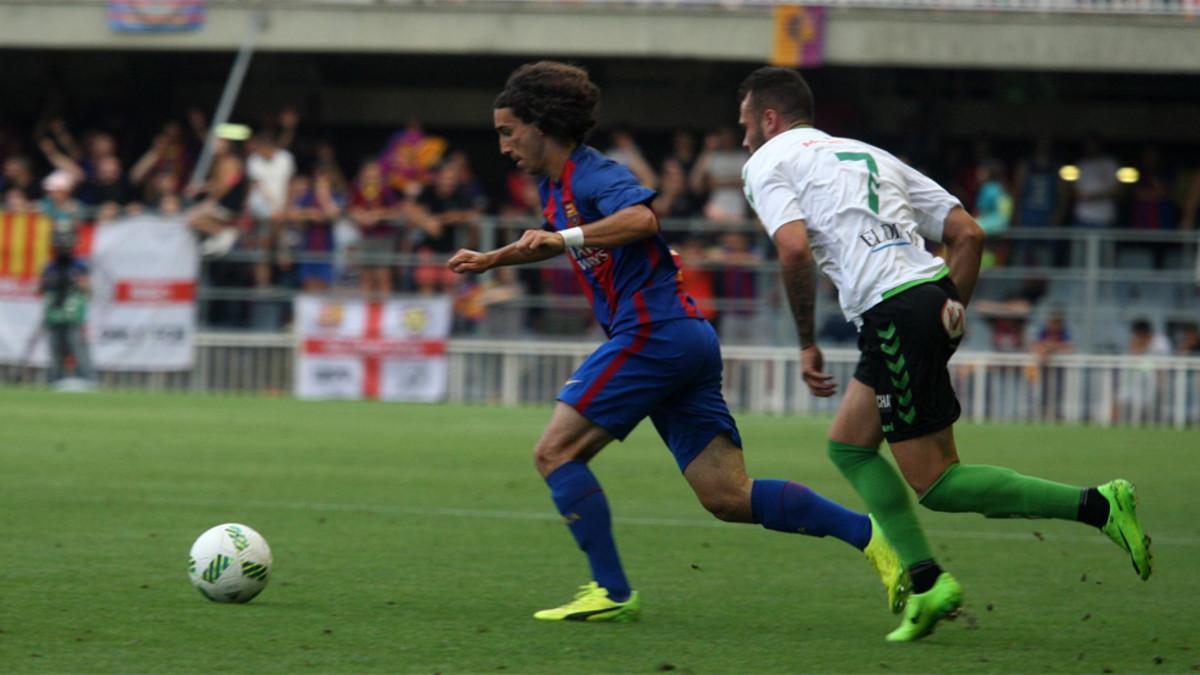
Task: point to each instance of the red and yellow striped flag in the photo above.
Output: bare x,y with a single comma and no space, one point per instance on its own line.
24,244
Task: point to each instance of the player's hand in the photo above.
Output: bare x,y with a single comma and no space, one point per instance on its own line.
812,369
539,241
467,260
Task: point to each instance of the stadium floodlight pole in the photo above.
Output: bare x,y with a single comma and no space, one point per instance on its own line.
258,23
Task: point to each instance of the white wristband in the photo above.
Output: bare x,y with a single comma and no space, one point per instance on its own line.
572,237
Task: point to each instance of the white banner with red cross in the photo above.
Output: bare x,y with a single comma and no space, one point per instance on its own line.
142,311
389,350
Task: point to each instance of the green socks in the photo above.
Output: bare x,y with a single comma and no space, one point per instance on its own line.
997,492
886,497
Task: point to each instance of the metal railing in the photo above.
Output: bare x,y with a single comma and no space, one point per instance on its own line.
992,387
1100,280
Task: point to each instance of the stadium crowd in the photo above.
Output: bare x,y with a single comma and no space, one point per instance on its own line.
282,211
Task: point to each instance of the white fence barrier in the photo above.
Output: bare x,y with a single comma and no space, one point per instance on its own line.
1077,388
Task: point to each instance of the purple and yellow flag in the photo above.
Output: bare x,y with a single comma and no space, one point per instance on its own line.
799,36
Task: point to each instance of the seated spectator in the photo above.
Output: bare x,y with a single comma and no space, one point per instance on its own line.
1189,341
993,204
1053,338
1008,317
222,200
1141,386
15,201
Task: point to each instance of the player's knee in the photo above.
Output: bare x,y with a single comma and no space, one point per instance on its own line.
548,457
729,505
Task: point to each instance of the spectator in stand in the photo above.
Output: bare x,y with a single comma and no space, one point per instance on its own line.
107,185
1191,205
1189,341
223,198
523,199
1152,208
18,174
1053,338
1097,188
737,286
1041,194
446,220
269,168
993,211
326,162
624,150
1041,200
718,173
58,204
1008,317
1140,386
15,201
683,150
993,204
674,200
169,155
408,160
373,207
696,280
321,207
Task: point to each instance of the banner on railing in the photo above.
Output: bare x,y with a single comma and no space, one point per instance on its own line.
142,310
390,350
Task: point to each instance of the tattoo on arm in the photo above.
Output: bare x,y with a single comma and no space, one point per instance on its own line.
800,284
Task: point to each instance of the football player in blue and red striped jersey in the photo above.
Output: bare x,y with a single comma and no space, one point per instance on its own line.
662,359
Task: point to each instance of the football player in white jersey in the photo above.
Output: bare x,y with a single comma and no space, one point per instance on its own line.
862,216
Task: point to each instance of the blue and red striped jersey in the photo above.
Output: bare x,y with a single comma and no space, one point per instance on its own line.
628,286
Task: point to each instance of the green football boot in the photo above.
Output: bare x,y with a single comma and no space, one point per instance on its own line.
1123,526
924,610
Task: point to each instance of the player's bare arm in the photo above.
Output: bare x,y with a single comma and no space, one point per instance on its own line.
626,226
533,246
964,250
799,272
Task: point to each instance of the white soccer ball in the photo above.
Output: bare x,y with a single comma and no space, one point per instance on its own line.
230,563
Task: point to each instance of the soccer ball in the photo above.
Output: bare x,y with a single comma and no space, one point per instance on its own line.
230,563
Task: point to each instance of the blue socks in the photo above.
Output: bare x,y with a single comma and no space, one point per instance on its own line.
791,507
581,501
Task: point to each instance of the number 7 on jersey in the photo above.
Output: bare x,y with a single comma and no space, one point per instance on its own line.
872,180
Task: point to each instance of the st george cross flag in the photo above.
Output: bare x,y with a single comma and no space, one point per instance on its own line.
390,350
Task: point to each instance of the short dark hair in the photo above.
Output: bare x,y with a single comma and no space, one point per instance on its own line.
1141,326
557,98
780,89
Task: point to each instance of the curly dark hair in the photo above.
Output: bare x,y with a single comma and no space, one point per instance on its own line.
557,98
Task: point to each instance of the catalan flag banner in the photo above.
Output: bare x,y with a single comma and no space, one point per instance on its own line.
156,16
799,36
142,311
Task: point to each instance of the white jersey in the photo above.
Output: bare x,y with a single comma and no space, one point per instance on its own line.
867,214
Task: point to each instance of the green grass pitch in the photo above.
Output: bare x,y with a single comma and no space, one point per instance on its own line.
420,539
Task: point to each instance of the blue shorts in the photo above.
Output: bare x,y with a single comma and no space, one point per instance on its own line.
670,371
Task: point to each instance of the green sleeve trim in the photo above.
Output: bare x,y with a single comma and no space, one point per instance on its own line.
915,282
